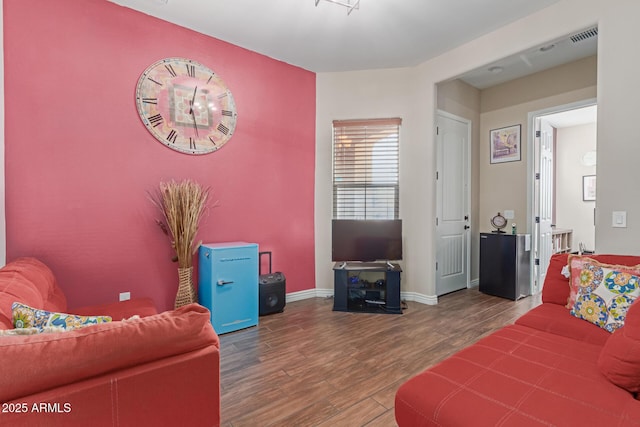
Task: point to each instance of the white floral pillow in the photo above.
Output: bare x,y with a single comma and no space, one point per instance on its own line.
604,298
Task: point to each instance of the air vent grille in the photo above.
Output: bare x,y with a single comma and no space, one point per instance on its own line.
587,34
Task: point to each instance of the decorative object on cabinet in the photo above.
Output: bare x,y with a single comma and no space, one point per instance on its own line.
228,284
505,144
498,222
182,205
589,188
186,106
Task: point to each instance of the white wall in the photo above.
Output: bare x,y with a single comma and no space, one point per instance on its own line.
410,93
571,211
357,95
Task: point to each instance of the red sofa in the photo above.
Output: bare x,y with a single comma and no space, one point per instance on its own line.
546,369
158,369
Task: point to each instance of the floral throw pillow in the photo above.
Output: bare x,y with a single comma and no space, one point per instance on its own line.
605,295
28,317
584,273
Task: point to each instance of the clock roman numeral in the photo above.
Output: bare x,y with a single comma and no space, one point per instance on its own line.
150,101
191,70
170,70
155,120
192,144
173,135
222,128
212,141
156,82
227,113
222,95
210,77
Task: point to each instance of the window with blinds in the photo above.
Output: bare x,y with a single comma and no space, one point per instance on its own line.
366,169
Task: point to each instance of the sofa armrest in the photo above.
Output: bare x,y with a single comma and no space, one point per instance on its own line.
39,362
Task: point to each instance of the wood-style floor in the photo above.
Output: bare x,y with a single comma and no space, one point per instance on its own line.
311,366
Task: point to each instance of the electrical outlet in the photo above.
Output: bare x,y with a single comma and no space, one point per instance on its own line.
124,296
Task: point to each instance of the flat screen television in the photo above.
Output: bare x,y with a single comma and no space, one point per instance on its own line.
366,240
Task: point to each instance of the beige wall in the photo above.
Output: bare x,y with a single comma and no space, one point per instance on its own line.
571,211
411,94
503,186
357,95
458,98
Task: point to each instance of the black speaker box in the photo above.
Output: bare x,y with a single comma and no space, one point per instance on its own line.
272,293
272,289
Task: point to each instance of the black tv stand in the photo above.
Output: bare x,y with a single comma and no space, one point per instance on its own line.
368,287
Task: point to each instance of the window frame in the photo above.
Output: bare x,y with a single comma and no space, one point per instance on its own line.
368,191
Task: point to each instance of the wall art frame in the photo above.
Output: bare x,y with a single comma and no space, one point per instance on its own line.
505,144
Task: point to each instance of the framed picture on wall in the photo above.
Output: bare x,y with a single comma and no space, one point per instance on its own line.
589,188
505,144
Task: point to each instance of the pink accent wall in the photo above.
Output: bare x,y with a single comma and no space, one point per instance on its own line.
79,161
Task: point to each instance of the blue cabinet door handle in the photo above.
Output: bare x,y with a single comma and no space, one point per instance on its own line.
223,282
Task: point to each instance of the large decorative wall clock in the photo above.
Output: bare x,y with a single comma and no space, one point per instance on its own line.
186,106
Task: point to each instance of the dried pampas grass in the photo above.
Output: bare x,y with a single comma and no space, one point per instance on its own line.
182,205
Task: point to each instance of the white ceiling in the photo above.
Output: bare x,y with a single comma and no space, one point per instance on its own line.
379,34
577,117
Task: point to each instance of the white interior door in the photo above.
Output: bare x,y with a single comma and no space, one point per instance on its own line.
543,200
452,217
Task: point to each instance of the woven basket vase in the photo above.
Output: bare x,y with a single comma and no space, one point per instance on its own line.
186,294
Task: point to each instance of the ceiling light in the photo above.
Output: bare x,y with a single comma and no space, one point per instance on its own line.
350,4
496,69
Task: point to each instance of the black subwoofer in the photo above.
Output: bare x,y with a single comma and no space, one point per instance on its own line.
272,290
272,293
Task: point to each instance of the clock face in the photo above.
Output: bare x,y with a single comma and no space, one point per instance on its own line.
186,106
498,221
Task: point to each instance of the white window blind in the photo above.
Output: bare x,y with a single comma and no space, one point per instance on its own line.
366,168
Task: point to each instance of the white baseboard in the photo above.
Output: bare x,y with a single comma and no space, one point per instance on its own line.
474,283
324,293
300,295
421,298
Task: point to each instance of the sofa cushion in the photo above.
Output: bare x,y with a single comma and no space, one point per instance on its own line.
554,318
514,377
556,286
556,289
605,294
30,282
94,350
587,274
620,357
29,317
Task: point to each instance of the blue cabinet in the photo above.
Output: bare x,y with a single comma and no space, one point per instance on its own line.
228,284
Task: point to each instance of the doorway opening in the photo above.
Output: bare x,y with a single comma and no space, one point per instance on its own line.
562,177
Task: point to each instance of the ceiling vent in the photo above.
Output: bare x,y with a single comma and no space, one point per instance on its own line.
585,35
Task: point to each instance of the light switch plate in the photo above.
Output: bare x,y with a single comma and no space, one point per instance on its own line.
125,296
509,214
619,219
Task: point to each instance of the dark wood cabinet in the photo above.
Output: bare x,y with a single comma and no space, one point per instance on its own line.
505,265
367,287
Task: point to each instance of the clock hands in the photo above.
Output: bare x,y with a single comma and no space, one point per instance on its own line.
193,114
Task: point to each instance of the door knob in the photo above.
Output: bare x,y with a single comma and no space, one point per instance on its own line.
466,227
